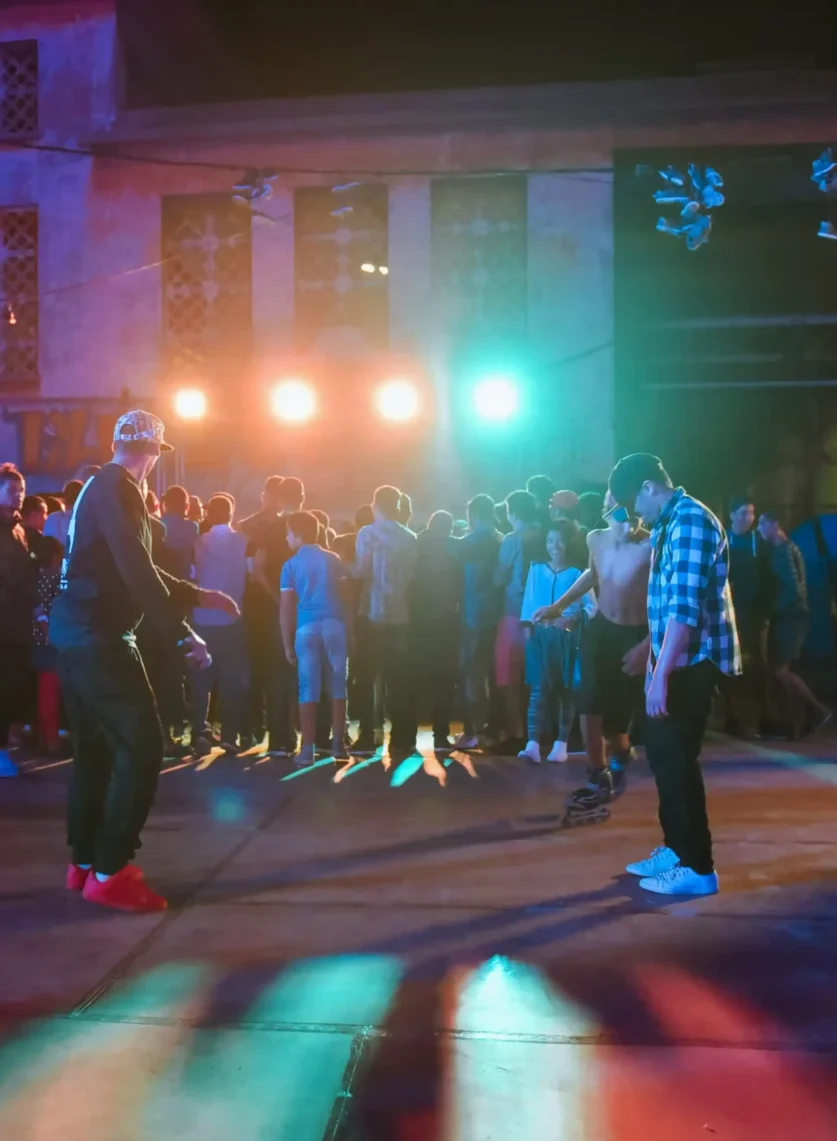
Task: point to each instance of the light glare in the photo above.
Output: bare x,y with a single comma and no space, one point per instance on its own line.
190,404
293,401
496,399
397,400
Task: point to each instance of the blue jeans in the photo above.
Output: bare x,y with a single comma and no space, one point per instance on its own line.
322,644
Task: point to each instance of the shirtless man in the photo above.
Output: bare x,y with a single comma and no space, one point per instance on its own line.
615,650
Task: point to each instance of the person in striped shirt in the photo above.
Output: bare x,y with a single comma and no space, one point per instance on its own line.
693,642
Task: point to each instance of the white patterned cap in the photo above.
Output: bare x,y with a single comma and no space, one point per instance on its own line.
140,425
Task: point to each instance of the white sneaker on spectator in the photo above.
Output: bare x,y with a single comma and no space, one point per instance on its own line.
559,752
532,752
463,741
660,860
7,766
681,881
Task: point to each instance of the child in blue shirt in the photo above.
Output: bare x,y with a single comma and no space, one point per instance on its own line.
552,648
314,614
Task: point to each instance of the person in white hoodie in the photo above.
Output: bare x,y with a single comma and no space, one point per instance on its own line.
385,564
552,666
221,563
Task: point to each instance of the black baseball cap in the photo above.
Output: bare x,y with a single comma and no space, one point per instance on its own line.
631,473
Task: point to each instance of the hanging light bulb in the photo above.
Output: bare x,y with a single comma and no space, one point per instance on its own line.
10,315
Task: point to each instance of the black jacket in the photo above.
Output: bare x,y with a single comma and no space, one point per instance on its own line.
109,580
18,582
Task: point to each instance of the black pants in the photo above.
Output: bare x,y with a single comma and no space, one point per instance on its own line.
228,672
477,674
273,683
163,664
436,643
673,746
14,674
117,750
384,651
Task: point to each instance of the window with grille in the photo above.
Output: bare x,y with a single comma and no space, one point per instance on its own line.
335,237
480,256
18,88
207,317
18,298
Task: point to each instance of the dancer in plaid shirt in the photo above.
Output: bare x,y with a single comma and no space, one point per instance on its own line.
693,642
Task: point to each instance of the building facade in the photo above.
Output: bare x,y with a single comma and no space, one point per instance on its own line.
129,270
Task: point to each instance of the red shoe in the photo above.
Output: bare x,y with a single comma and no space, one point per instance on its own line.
77,877
125,891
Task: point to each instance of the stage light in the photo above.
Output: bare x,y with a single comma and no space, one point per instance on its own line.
293,401
367,267
190,404
397,400
383,269
496,398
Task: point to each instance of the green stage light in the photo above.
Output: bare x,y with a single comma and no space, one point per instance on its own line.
496,398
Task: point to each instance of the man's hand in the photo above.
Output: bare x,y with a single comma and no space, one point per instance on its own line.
197,654
656,697
635,662
290,654
542,614
217,600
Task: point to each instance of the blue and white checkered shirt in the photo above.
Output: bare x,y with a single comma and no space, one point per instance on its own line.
689,582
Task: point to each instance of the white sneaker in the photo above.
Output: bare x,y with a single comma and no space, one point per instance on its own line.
559,752
681,881
532,752
465,742
7,766
660,860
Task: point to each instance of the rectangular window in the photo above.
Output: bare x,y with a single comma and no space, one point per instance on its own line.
480,256
18,298
341,246
207,304
18,89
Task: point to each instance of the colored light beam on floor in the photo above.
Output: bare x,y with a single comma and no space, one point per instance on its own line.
406,769
87,1078
326,762
273,1075
505,1083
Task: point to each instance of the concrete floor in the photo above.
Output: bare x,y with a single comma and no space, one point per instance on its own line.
416,954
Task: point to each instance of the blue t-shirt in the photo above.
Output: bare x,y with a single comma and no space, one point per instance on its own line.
315,575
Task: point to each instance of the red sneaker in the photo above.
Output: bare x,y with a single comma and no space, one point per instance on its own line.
125,891
77,877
